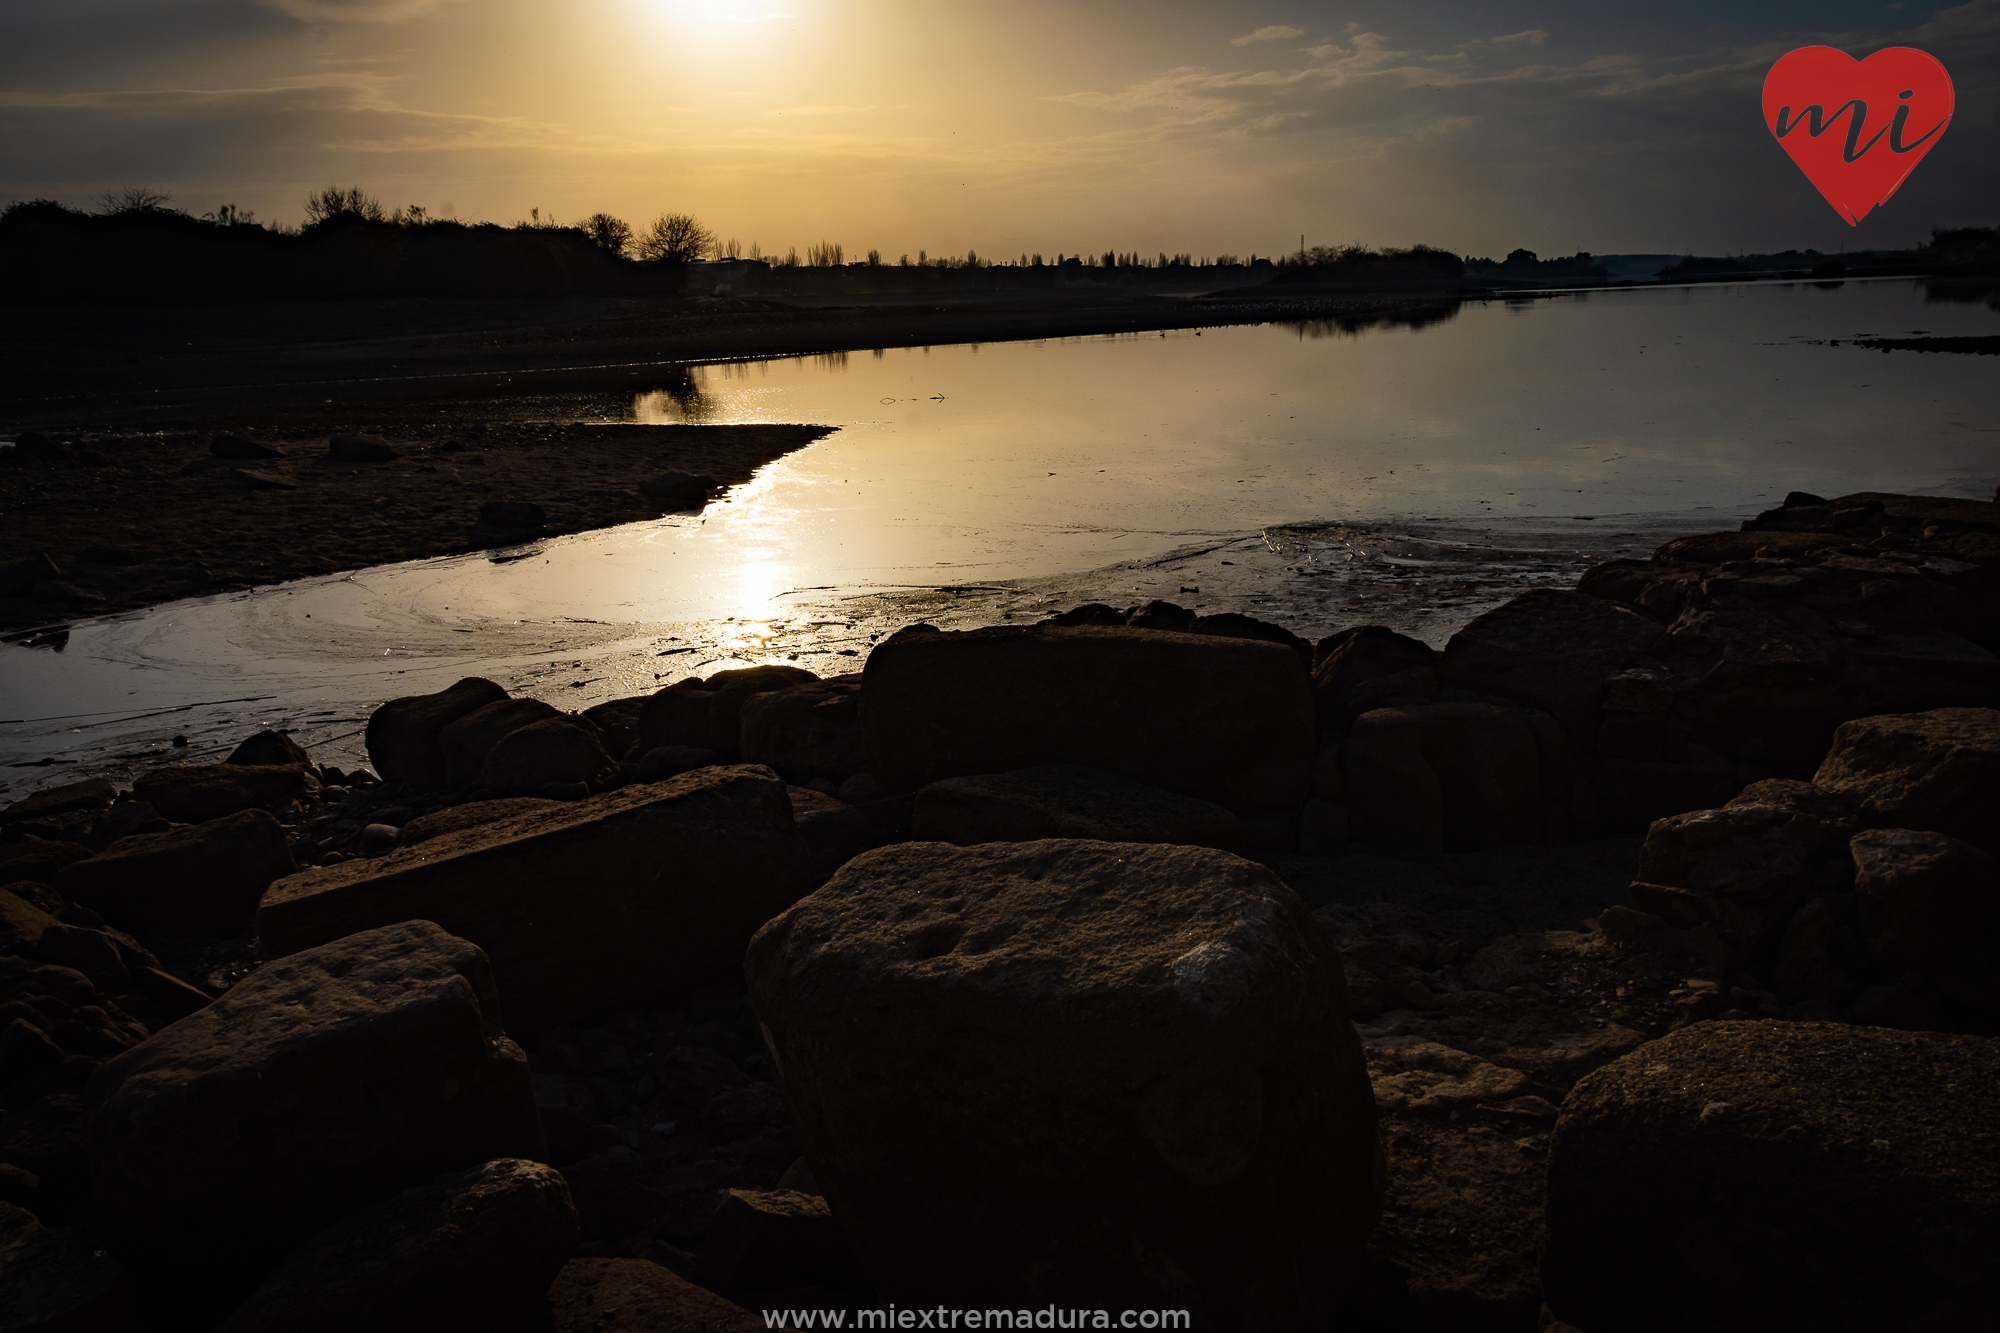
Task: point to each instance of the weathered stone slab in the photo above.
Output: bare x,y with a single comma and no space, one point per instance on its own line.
196,793
319,1084
1765,1175
1224,719
206,877
583,907
1938,771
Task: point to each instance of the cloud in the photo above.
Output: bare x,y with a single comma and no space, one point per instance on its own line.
1533,37
1274,33
353,11
825,110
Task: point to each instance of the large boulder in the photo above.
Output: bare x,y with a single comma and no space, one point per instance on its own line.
1926,902
1082,1072
708,714
1550,650
1745,867
470,739
617,720
1224,719
472,1249
1763,1175
403,733
1362,667
806,731
269,748
1067,801
318,1085
1938,771
205,877
556,750
89,794
470,815
193,793
1446,776
584,907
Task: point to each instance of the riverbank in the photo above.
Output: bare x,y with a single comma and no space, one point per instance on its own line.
135,520
305,363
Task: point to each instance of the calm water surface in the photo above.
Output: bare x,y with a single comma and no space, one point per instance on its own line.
969,463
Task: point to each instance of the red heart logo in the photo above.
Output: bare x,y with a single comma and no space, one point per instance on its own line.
1857,128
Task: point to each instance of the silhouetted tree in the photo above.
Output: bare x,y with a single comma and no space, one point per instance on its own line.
608,233
348,204
827,254
675,238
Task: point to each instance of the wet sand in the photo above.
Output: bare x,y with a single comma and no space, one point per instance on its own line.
138,520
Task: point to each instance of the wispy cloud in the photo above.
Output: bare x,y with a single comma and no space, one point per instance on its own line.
354,11
1274,33
825,110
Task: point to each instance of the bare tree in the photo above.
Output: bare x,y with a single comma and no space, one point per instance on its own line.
827,254
344,202
608,233
675,238
135,199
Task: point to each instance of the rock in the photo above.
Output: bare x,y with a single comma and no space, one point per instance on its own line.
90,794
378,838
770,1241
1763,1175
1550,650
52,1280
1927,902
207,877
195,793
806,731
617,720
318,1085
556,750
834,831
403,733
1631,794
593,1295
18,576
268,748
468,1250
708,714
670,761
1937,771
39,862
473,814
1162,616
583,907
1067,801
468,741
1058,1071
359,449
678,490
236,446
512,514
1222,719
1415,1075
1233,625
1457,776
1393,664
1323,828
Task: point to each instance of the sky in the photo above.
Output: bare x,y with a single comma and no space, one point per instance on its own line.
1001,126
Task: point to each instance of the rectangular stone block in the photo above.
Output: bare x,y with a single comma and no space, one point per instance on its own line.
583,907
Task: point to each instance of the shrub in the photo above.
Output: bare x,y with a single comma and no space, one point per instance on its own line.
675,238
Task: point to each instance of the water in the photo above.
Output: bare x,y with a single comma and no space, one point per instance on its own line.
974,464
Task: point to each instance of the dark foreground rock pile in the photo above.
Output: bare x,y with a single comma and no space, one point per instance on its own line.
1627,964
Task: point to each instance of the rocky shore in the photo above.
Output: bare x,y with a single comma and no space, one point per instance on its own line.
1624,965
